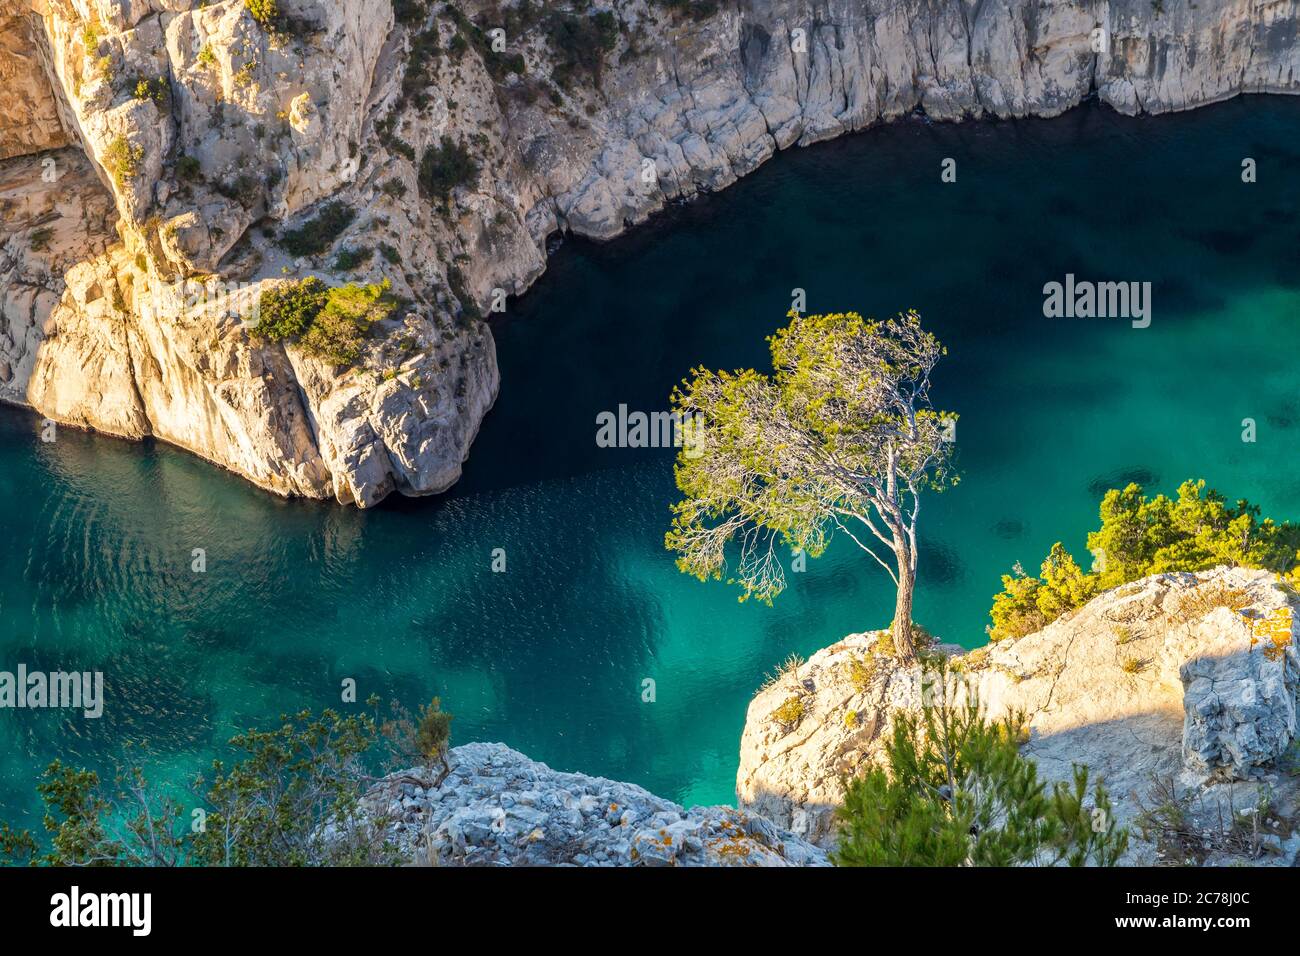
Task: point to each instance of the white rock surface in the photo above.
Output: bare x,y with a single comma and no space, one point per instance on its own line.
499,808
1150,685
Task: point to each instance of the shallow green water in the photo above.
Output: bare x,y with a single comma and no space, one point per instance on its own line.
549,656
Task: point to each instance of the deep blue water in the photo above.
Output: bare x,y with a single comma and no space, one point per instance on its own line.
550,656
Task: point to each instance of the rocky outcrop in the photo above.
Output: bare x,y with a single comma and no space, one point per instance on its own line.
212,134
499,808
1178,690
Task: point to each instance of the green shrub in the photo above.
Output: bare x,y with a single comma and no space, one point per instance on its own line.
268,806
349,259
390,254
207,58
955,791
580,44
40,238
338,333
328,323
265,12
187,167
1141,536
289,309
104,68
862,671
446,166
790,712
409,13
155,89
122,159
318,234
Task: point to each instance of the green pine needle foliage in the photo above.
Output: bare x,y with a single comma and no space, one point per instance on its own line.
1140,536
955,791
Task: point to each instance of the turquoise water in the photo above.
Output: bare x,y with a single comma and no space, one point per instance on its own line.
549,656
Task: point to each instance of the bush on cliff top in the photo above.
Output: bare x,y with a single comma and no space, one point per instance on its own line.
338,333
326,323
1141,536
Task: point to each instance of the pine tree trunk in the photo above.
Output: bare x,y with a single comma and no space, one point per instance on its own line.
904,647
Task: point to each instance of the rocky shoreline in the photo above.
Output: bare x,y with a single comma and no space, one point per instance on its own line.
250,132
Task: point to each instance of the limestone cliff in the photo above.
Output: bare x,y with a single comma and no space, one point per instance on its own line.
1179,692
208,135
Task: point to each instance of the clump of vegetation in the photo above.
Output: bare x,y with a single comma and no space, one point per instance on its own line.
954,790
122,159
156,89
1133,665
390,254
244,75
207,58
580,44
339,330
862,671
1168,817
290,798
420,63
350,259
189,168
469,311
784,671
90,36
40,238
329,323
697,10
410,13
499,64
103,69
1198,602
265,12
446,166
423,739
244,188
318,234
1141,536
789,713
288,310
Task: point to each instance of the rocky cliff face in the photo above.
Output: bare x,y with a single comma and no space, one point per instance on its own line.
1180,692
210,134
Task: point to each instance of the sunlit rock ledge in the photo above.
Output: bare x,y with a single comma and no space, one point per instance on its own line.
1156,686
